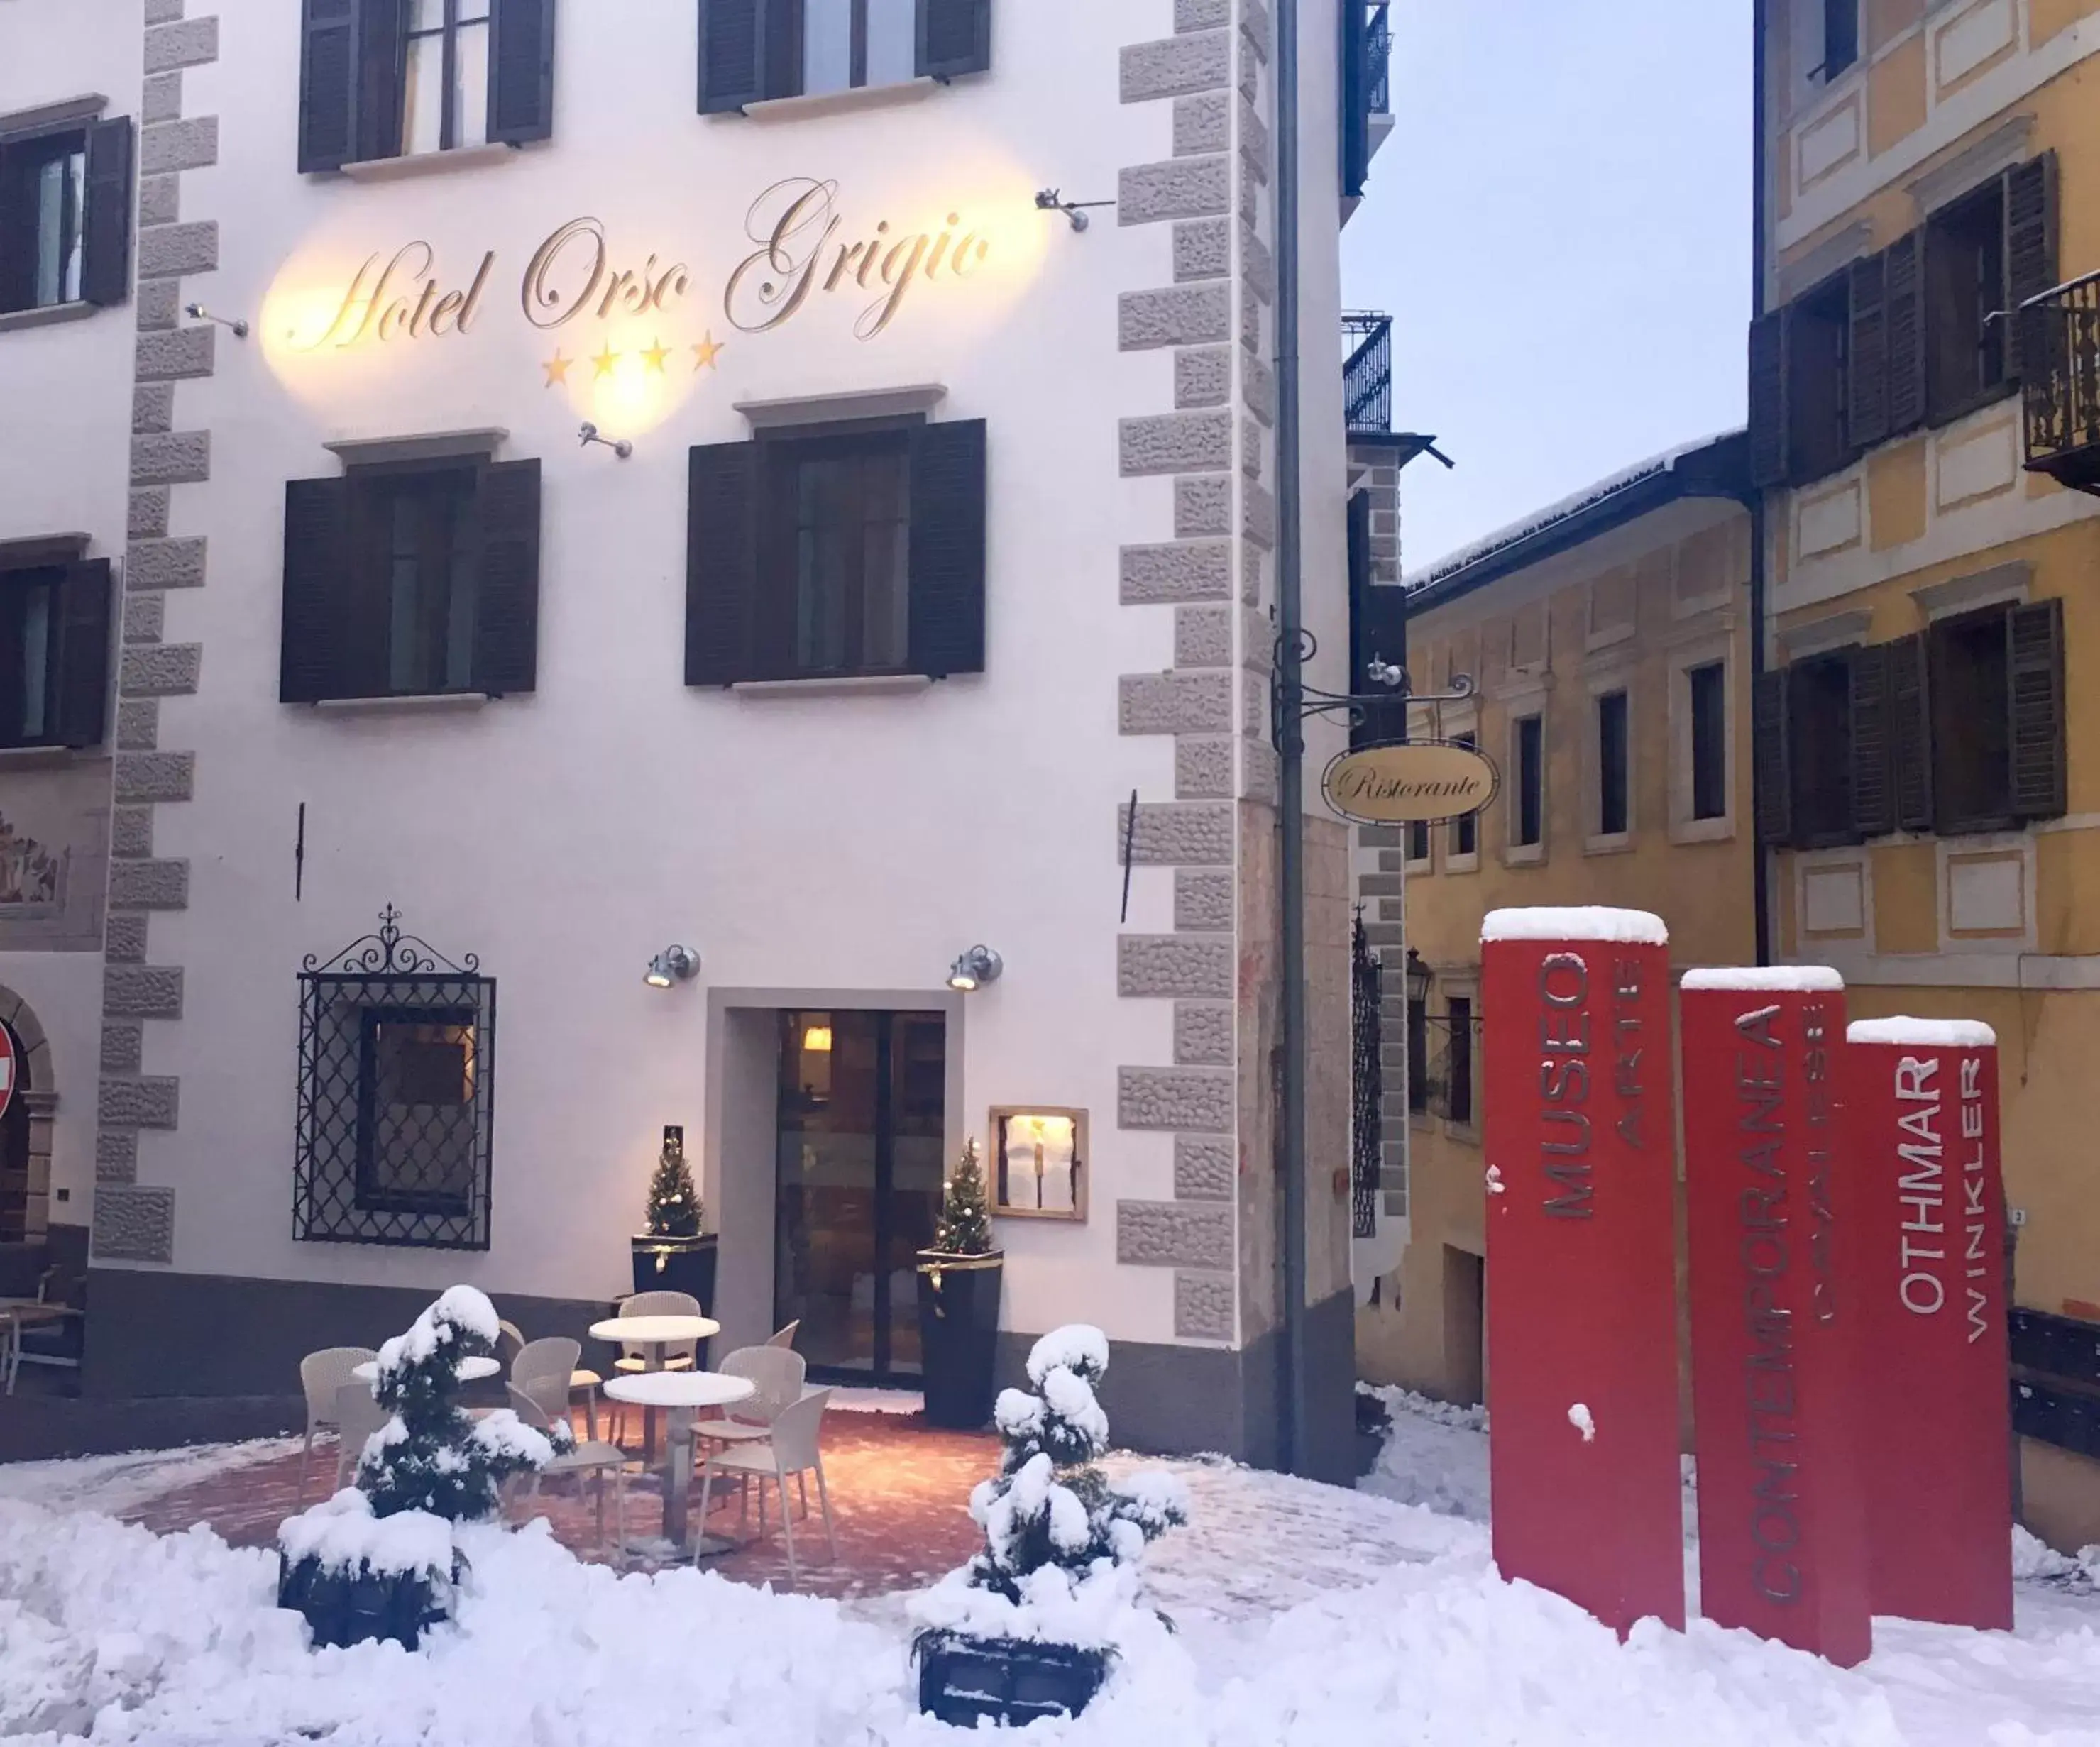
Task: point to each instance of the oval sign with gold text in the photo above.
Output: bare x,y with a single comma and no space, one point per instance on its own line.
1417,783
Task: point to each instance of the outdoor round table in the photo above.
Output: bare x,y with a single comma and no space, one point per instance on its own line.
471,1370
684,1393
653,1334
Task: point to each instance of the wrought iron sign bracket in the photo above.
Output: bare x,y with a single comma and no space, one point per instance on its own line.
1288,716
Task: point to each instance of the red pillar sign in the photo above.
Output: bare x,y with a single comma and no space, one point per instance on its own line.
1774,1223
1922,1110
1581,1275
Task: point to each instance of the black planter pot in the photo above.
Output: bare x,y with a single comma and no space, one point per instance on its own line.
964,1680
958,1335
345,1608
678,1264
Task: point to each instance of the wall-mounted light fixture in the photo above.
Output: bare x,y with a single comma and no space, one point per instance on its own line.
621,446
672,965
817,1039
974,968
1383,672
1050,200
198,312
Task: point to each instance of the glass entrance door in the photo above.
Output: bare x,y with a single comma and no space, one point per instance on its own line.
859,1166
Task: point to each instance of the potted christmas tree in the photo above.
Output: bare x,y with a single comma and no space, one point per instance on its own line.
1033,1625
674,1255
959,1277
379,1559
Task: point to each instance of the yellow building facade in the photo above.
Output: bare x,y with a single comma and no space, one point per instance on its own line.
1925,388
1608,642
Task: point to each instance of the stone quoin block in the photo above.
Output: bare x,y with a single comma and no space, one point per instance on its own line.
181,458
131,833
138,1101
1257,28
1257,265
1250,185
1202,768
161,99
1203,377
162,884
1258,389
192,43
116,1155
1175,315
1202,637
1174,1234
1254,568
181,352
161,670
1255,700
1202,124
1199,703
1257,641
1171,66
135,1224
170,250
156,776
1204,506
1203,14
1260,773
1182,188
150,564
1254,138
173,146
1174,965
124,942
160,200
153,408
1159,442
1206,1168
1202,899
1250,81
158,302
1177,834
1203,1034
1253,451
1202,250
1251,309
145,617
1190,571
1203,1306
142,991
123,1045
138,723
1258,514
1199,1100
148,519
163,12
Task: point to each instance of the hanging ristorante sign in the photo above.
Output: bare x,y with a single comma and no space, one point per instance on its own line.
799,248
1410,783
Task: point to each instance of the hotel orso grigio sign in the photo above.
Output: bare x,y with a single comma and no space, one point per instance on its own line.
798,247
1410,783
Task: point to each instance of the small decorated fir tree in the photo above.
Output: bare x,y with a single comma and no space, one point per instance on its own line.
965,1223
674,1201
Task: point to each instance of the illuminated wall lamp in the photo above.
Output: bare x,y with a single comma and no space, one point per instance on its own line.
672,965
1050,200
974,968
619,447
198,312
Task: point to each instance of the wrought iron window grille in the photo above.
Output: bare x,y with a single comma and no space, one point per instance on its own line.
1366,1082
396,1095
1367,373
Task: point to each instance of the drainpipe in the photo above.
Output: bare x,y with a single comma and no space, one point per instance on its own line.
1760,857
1291,785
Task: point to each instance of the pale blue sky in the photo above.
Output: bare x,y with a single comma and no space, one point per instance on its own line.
1560,227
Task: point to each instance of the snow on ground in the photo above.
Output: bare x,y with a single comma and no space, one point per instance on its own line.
114,1485
1436,1456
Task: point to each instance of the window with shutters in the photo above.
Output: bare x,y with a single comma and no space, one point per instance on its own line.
1819,730
65,217
1965,258
1706,703
444,69
54,654
754,51
1416,851
1996,683
1463,847
1459,1088
411,580
1614,765
1528,800
836,553
1818,345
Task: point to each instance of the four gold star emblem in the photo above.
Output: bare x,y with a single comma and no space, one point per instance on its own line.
655,355
704,354
606,360
557,368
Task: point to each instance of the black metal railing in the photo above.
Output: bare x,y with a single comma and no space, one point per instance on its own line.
1378,53
1367,373
2059,339
1366,1084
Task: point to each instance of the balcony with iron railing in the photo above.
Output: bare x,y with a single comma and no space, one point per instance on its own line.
1367,373
1367,92
1377,51
2059,338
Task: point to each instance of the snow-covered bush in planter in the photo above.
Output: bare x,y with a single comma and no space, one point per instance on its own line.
379,1559
1031,1625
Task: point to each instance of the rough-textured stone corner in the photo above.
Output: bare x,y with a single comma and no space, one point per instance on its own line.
1171,66
138,724
190,42
123,1045
142,991
1206,1168
1258,516
1254,138
160,200
1203,1306
181,458
1199,1100
163,12
1172,833
1203,14
117,1156
133,1224
1193,571
1184,187
168,251
1260,774
149,515
149,885
1202,637
1202,250
161,99
179,353
1258,389
158,303
1176,703
1203,768
1255,27
145,618
161,670
1171,442
153,408
1202,899
1257,265
124,940
131,833
1203,1034
1173,1234
140,1102
150,564
156,776
174,146
1202,124
1175,966
1204,506
1203,377
1175,315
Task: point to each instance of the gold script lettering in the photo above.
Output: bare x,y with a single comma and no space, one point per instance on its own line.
386,310
540,292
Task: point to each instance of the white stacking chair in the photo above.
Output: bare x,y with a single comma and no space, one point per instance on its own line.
557,1355
357,1417
321,1375
791,1447
785,1337
680,1355
531,1402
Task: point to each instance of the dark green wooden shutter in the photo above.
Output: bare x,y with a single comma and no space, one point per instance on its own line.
2035,653
105,244
1910,732
83,675
521,71
1772,758
955,37
382,75
733,35
2031,235
1866,364
1841,37
327,83
1904,329
1356,99
721,562
1771,451
506,606
313,655
1873,785
948,547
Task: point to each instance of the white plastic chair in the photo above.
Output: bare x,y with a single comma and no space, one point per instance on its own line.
780,1375
510,1342
530,1404
556,1356
785,1337
357,1417
792,1447
321,1375
678,1354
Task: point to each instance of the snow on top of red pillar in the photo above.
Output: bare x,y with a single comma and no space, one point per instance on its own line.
1924,1033
1631,928
1776,978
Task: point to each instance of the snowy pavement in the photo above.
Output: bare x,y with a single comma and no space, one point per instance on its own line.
1306,1615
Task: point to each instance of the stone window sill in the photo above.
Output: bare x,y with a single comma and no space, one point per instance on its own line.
35,758
840,103
49,315
1703,830
427,163
421,704
1616,843
845,686
1524,854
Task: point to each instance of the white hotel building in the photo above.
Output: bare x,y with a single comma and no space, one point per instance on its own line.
924,530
